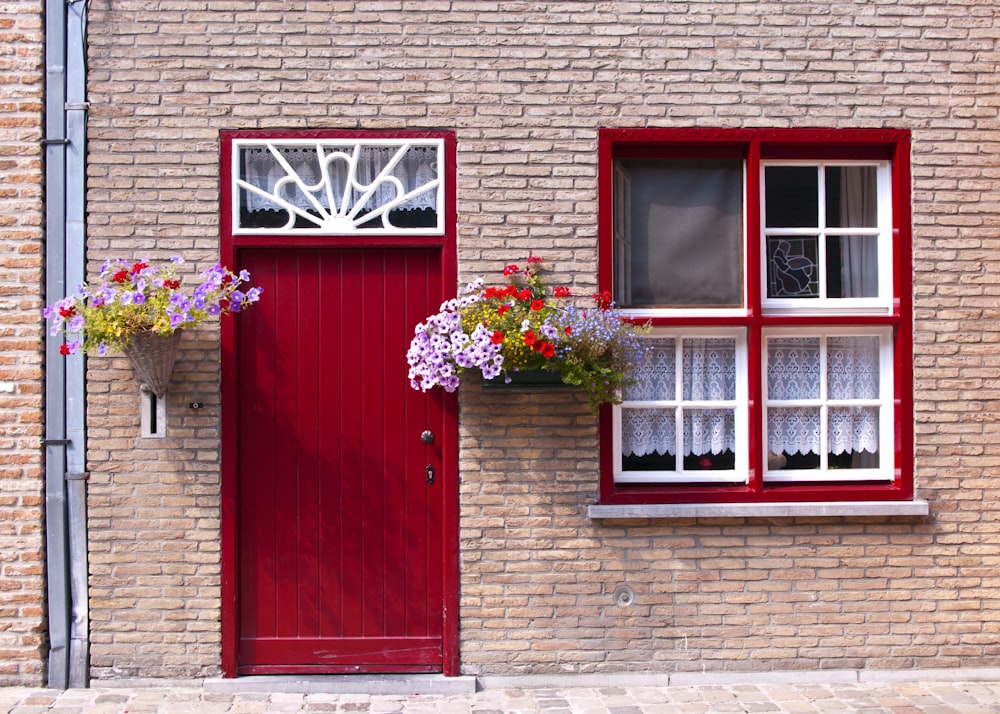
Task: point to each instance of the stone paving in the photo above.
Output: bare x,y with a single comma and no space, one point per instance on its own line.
943,697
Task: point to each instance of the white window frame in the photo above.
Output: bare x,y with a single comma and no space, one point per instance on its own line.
884,403
623,271
341,221
740,473
883,232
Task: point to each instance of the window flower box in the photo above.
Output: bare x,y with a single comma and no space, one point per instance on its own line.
510,330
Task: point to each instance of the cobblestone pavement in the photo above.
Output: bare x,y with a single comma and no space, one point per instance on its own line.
868,698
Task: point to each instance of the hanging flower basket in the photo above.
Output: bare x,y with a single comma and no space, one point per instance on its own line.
152,356
140,309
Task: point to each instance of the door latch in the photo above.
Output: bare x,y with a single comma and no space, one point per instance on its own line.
430,474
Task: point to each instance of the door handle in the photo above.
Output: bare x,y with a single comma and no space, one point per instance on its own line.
430,474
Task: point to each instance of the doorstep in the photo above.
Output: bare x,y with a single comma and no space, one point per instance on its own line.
345,684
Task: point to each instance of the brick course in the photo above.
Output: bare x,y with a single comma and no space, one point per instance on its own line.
526,86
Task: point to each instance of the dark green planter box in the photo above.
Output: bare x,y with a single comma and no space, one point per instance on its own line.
527,379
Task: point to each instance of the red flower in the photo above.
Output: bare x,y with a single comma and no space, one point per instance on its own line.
171,284
524,294
548,349
121,276
529,337
64,349
568,330
503,309
603,299
537,305
136,267
497,337
67,312
534,259
561,291
510,269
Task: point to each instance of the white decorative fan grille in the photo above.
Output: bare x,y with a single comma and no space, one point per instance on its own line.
338,186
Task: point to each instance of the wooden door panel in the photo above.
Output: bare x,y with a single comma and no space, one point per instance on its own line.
340,534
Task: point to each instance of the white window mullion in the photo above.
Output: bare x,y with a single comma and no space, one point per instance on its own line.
821,233
679,409
824,416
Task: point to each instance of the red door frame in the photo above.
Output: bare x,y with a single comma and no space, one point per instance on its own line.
230,247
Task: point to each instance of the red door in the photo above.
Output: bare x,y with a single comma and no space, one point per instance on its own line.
339,500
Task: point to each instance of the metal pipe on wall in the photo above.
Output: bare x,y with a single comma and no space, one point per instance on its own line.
56,537
65,445
76,455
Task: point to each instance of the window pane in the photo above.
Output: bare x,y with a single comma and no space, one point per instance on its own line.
648,431
709,367
655,374
853,367
793,368
707,432
792,267
338,186
853,437
794,434
683,233
852,266
791,197
851,197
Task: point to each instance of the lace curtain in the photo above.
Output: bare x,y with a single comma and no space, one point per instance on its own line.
415,168
794,372
708,374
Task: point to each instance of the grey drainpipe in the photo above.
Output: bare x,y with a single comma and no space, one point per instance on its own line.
76,411
56,535
65,446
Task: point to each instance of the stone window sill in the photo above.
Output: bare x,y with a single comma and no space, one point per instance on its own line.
760,510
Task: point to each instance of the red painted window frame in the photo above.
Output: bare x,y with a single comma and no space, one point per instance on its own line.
230,247
753,146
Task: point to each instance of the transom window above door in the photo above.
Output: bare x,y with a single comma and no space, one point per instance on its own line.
338,186
774,267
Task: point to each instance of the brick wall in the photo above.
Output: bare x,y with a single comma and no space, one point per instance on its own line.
526,86
22,588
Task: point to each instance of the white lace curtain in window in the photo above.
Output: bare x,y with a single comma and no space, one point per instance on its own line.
417,167
794,373
708,369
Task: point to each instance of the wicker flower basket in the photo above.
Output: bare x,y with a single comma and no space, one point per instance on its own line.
152,356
